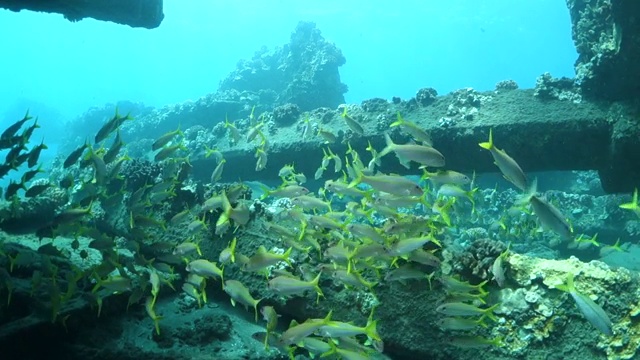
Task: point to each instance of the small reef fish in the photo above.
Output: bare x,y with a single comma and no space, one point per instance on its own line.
454,323
114,149
497,269
352,123
297,332
34,154
205,268
74,156
509,167
339,329
471,342
228,254
412,129
423,155
588,308
262,259
286,191
234,133
13,129
392,184
217,172
405,246
452,284
187,248
167,151
166,138
462,309
550,217
110,126
327,136
261,155
446,177
240,294
284,285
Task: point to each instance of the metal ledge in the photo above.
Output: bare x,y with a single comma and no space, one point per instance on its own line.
135,13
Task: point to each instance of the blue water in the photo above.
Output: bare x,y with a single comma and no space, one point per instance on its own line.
59,68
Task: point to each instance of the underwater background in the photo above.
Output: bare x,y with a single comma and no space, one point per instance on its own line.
345,180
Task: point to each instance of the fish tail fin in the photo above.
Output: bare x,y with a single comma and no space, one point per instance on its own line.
333,349
570,277
179,130
98,280
255,308
531,192
359,178
328,317
568,286
426,175
226,205
481,322
156,323
388,148
489,144
470,195
488,312
316,286
482,291
398,122
266,190
633,205
266,340
371,330
286,255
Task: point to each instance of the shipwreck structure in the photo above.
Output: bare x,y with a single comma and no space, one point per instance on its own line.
135,13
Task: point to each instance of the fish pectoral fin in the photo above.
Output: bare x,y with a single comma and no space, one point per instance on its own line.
233,302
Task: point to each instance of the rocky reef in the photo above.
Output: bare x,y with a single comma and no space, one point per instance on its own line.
168,256
606,37
303,72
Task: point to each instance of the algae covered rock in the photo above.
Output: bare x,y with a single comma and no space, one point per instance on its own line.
548,313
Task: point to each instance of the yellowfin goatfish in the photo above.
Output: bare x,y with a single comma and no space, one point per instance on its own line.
297,332
351,123
239,293
446,177
423,155
414,130
509,167
405,246
262,259
204,268
589,309
165,139
462,309
217,172
392,184
284,285
228,254
550,217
